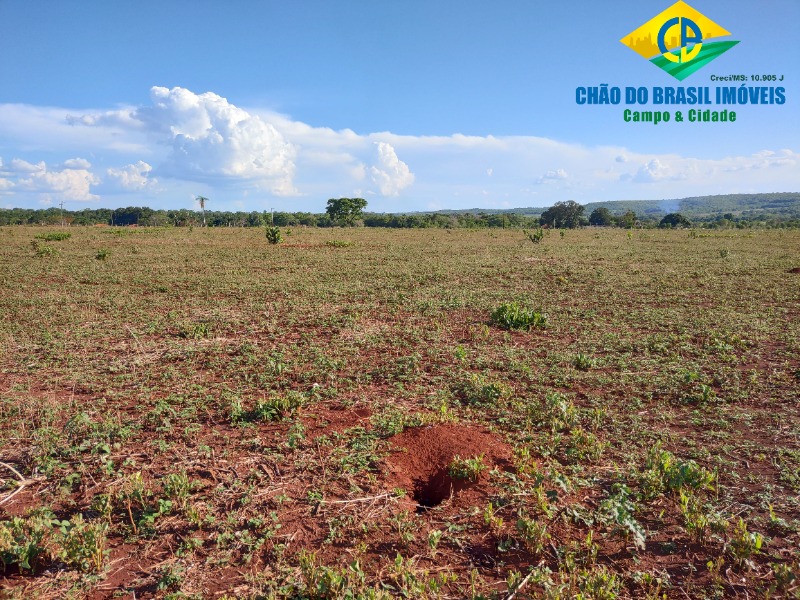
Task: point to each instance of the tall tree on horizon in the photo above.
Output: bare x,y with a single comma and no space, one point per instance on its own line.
345,211
202,200
563,215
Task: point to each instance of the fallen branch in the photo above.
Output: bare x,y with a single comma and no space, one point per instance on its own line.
21,484
354,500
13,470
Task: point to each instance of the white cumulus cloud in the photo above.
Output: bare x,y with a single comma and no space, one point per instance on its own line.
210,138
134,177
69,183
23,166
193,143
390,174
652,171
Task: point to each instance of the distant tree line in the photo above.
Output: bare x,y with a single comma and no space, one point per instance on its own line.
562,215
131,215
147,217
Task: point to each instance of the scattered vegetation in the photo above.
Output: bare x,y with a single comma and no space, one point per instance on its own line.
190,418
43,249
54,236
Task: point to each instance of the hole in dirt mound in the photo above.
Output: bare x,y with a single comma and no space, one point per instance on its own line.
434,490
423,455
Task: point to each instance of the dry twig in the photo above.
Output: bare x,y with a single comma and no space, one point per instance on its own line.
21,484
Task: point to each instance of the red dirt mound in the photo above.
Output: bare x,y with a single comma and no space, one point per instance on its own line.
794,270
420,465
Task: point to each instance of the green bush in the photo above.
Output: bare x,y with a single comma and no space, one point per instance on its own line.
478,389
279,407
84,544
54,236
274,235
534,236
43,249
664,472
195,331
513,315
275,408
23,541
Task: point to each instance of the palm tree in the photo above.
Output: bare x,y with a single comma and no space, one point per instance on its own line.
202,200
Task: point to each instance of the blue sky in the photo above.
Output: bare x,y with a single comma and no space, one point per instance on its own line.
413,105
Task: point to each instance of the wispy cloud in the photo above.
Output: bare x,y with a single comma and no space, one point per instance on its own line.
552,175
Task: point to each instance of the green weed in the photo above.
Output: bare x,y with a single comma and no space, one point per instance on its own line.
513,315
84,544
744,544
535,236
583,362
533,533
479,389
195,331
25,542
468,469
664,472
43,250
618,509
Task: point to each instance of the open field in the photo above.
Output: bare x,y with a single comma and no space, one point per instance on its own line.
194,414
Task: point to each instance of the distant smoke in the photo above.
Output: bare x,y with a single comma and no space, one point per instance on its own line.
669,206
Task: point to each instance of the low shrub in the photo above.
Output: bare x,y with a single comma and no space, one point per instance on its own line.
274,235
513,315
54,236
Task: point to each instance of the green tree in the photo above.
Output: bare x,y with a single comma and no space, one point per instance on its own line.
601,217
563,215
627,220
254,219
345,211
132,215
675,220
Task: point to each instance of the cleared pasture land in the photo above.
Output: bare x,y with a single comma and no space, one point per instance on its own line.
214,415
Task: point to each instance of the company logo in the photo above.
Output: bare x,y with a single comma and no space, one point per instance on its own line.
679,40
